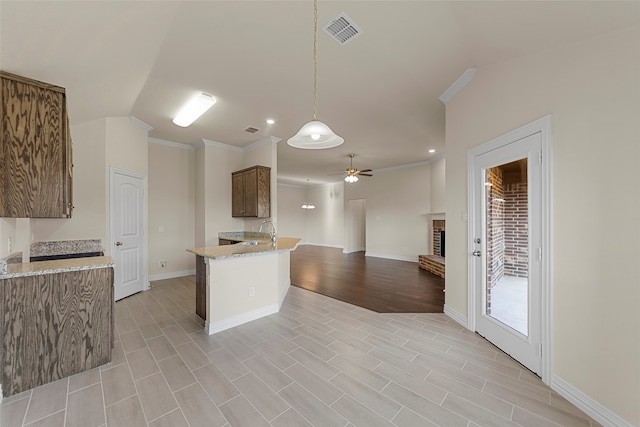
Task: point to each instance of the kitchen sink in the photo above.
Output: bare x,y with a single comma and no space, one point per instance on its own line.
251,242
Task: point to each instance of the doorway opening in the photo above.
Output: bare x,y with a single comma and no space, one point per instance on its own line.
355,226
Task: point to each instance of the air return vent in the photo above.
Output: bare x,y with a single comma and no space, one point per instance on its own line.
342,29
251,129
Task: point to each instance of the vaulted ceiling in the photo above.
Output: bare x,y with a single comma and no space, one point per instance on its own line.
379,91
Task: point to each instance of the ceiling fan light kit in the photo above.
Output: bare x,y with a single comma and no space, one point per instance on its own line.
193,109
315,135
352,173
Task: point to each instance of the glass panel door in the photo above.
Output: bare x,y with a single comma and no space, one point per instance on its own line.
507,242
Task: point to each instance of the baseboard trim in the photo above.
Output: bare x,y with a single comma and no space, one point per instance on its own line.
284,295
171,275
344,251
394,257
241,319
587,405
456,316
321,244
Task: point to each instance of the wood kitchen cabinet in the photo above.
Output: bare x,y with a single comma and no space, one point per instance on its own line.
251,192
222,242
53,326
201,287
36,168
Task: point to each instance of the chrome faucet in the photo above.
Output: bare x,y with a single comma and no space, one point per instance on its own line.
274,236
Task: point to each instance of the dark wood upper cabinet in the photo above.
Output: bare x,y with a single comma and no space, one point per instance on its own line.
36,167
251,192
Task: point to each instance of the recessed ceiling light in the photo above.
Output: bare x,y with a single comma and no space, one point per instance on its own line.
270,121
194,109
432,151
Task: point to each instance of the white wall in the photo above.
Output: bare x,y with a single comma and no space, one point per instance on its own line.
214,163
398,201
325,223
172,207
437,184
292,219
97,145
7,233
355,225
90,190
218,163
264,153
592,89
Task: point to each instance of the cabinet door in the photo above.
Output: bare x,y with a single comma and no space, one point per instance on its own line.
32,157
263,198
251,193
201,287
67,188
237,194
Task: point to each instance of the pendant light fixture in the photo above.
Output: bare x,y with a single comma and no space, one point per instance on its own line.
308,205
315,135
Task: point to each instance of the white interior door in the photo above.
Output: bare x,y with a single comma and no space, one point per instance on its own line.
506,261
127,201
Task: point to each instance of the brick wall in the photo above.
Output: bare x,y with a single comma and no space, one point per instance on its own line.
516,230
438,225
495,227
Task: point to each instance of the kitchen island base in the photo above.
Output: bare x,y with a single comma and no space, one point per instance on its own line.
236,284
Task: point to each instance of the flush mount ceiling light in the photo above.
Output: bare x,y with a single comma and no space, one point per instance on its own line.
315,135
194,109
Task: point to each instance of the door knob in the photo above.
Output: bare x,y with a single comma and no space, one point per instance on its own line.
476,253
118,243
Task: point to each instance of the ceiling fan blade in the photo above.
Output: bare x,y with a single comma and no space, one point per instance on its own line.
365,174
366,170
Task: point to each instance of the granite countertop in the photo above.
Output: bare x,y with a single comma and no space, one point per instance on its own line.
239,249
57,266
65,247
244,236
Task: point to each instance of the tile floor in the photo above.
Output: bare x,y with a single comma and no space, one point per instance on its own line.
319,362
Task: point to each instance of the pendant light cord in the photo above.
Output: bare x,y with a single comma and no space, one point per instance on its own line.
315,58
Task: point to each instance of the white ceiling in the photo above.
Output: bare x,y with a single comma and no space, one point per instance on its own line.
379,91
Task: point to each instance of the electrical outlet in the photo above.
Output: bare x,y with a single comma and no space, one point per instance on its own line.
163,264
252,291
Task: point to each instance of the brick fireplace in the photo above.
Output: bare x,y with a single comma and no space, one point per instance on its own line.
435,262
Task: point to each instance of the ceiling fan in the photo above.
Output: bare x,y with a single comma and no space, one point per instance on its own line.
353,173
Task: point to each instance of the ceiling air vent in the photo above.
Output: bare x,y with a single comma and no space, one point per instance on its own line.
342,29
251,129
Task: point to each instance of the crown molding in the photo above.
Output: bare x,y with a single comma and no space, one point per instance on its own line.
140,123
206,142
268,139
171,144
457,86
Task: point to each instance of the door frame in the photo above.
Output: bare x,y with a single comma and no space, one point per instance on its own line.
145,217
544,126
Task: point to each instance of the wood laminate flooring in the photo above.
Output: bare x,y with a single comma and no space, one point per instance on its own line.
379,284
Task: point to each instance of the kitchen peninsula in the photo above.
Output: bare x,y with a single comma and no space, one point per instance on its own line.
241,282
